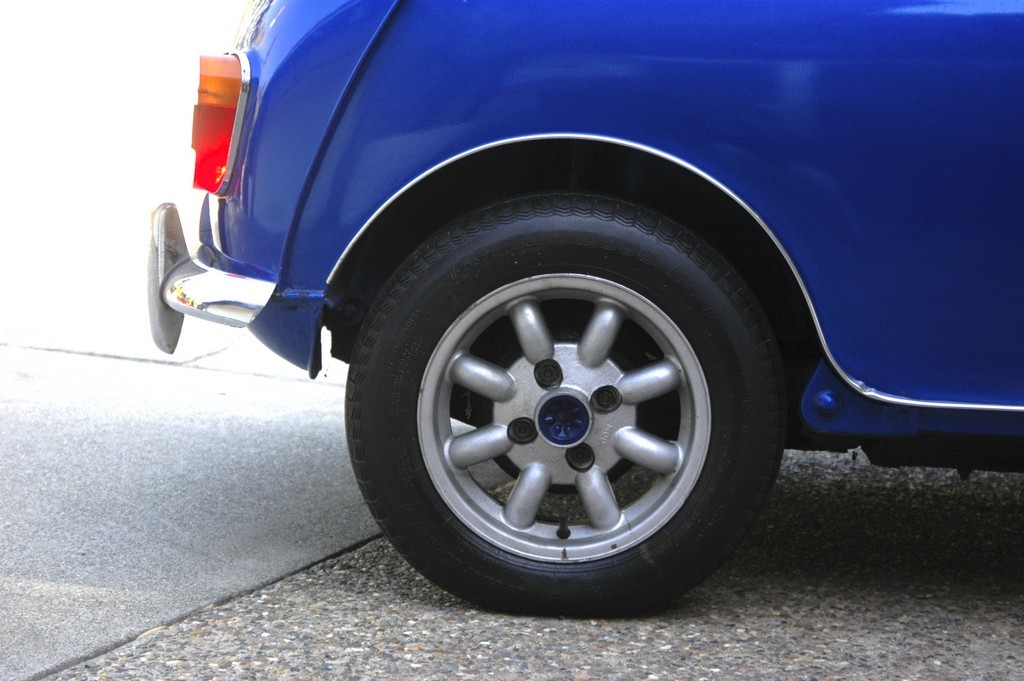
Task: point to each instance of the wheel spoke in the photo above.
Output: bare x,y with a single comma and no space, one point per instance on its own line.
598,499
482,377
649,451
523,504
483,444
532,331
649,382
600,334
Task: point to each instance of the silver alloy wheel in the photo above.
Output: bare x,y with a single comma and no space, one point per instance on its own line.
614,511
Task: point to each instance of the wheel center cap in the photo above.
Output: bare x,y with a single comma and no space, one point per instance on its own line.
563,420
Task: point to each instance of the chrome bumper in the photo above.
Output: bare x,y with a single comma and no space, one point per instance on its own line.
180,284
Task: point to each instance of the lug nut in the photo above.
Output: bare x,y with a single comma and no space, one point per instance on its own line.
605,399
548,373
580,458
522,431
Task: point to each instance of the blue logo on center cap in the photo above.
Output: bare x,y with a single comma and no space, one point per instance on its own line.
564,420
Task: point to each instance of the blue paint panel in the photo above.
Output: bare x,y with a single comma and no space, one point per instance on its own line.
879,140
303,56
829,406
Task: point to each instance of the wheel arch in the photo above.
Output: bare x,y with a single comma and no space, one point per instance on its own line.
612,168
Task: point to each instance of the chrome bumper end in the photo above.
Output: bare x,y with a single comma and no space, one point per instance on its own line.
180,284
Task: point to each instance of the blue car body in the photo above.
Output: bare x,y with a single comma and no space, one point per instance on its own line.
878,144
859,162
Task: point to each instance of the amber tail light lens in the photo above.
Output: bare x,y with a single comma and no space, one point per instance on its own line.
220,86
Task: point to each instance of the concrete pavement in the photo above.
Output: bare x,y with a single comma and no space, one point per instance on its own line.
134,492
853,572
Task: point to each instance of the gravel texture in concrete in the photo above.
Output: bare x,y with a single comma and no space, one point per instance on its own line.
853,572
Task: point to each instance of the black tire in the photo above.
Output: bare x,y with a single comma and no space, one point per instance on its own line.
441,352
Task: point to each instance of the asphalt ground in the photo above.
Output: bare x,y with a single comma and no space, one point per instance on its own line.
853,572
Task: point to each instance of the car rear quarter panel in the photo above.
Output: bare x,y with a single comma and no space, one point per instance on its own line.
879,141
303,56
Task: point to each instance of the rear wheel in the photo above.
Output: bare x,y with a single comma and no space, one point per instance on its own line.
565,405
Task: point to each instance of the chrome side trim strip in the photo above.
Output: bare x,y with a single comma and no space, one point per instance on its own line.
856,385
236,129
194,287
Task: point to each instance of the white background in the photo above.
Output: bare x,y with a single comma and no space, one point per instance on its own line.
97,119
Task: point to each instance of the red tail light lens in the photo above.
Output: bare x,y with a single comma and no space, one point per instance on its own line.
220,86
